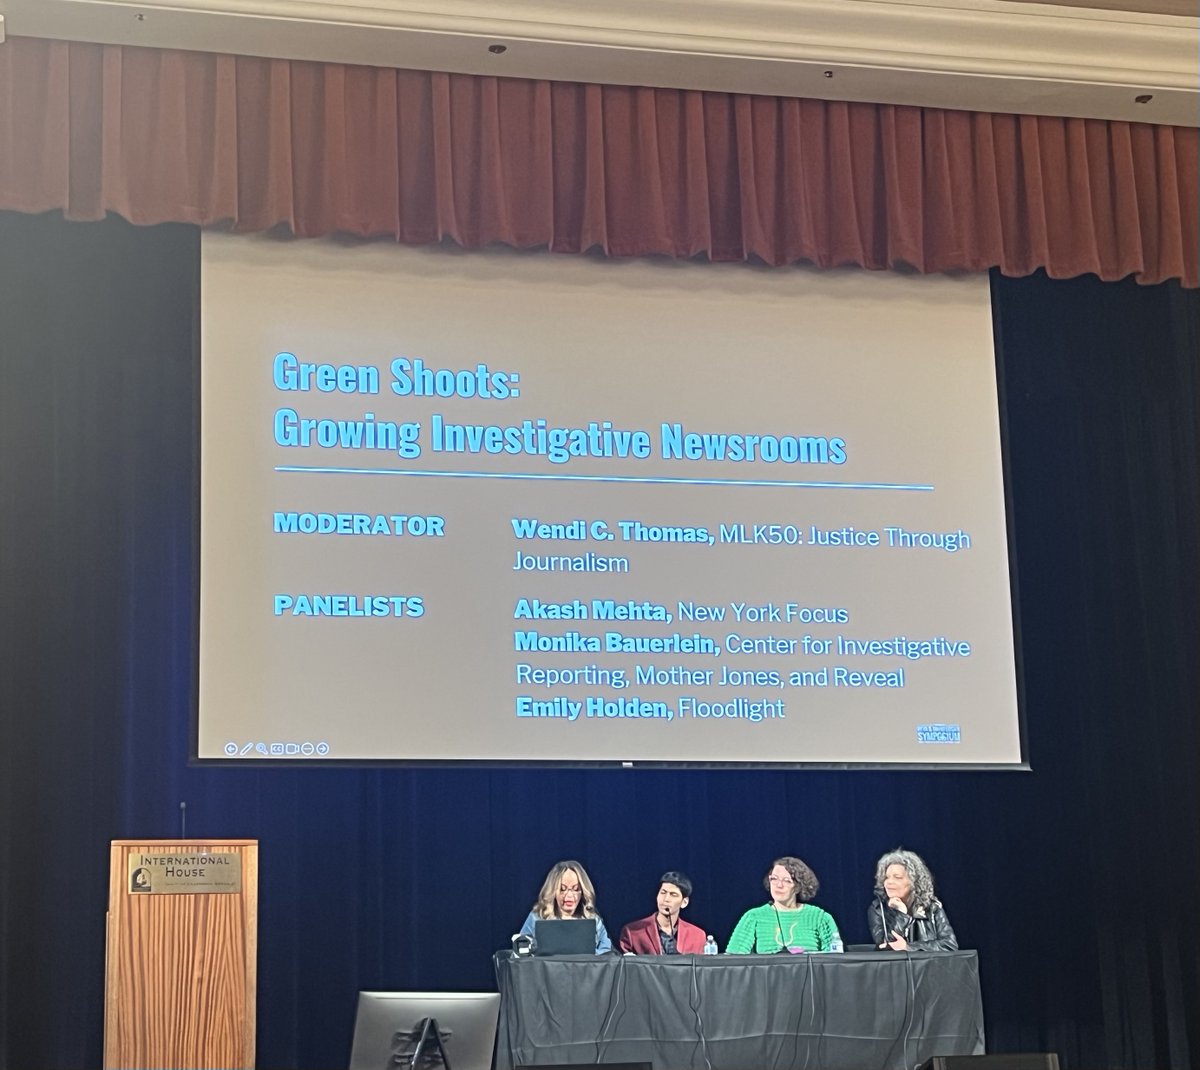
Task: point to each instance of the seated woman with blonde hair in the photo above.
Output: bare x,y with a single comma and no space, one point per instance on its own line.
567,892
906,915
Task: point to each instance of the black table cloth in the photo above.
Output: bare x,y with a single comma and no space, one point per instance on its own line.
739,1012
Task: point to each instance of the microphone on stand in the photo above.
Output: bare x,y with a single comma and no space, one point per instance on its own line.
785,949
882,919
182,820
897,905
669,918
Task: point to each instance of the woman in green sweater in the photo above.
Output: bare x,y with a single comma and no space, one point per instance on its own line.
789,922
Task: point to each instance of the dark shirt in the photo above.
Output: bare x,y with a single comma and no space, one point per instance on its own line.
668,942
926,929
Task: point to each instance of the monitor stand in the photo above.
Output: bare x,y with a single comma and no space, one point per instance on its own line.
428,1040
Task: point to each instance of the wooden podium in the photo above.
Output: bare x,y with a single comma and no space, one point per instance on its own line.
182,946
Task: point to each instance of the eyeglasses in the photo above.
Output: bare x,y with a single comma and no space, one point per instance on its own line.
569,891
781,880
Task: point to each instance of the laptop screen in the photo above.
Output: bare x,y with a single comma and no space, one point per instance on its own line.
564,936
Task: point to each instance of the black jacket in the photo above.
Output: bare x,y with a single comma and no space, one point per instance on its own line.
925,930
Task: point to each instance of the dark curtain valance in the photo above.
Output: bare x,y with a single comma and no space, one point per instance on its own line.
161,136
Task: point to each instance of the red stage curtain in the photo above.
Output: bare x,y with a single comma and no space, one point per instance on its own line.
184,136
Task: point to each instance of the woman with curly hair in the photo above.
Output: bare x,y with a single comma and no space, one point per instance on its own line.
567,892
789,922
906,915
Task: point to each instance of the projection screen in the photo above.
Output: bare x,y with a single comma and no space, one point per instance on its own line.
524,507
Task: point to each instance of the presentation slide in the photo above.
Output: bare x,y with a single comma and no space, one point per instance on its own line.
525,507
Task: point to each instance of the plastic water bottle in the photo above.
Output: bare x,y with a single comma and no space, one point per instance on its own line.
836,943
710,945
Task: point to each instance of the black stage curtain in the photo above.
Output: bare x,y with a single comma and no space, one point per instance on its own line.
1077,881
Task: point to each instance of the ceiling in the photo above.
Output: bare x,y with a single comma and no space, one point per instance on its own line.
1136,60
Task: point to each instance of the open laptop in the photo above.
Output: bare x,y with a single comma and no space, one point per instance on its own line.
564,936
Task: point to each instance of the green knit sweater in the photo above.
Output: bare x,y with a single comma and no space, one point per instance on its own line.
765,930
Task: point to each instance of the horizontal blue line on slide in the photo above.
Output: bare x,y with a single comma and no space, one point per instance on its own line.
603,479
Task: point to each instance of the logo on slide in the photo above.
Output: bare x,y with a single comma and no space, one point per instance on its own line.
939,733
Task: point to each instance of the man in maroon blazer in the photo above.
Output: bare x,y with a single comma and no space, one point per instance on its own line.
665,932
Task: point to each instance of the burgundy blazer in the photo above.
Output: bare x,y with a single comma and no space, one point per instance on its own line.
641,937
